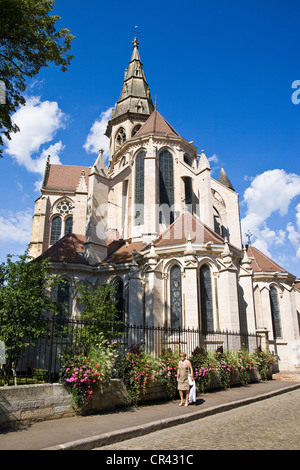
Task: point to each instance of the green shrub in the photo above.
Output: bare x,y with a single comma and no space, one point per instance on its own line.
168,365
137,369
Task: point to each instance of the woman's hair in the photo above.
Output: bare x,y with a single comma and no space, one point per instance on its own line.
183,354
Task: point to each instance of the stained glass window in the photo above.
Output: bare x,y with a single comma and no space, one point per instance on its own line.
119,300
207,321
188,194
166,187
275,311
69,226
176,297
64,207
55,230
63,299
139,188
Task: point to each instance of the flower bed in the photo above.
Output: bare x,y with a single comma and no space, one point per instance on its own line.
138,370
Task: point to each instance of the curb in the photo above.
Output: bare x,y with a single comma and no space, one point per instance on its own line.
104,439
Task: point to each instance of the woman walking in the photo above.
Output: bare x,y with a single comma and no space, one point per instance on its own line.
184,366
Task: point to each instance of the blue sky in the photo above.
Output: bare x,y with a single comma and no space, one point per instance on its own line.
223,72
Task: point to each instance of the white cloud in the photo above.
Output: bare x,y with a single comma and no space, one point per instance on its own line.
96,139
298,215
54,151
38,122
16,227
214,158
269,194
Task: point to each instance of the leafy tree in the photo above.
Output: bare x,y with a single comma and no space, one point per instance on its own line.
23,301
99,313
29,40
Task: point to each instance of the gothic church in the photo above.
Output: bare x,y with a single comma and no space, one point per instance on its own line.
157,225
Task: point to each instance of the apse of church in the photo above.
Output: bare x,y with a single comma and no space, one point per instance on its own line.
156,223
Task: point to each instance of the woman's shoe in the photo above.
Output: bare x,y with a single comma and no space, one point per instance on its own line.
186,404
181,404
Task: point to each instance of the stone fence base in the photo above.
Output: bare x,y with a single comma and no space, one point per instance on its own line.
32,403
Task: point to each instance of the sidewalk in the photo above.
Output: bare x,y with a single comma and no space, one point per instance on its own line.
85,433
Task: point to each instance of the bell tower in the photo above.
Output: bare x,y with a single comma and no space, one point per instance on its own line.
133,107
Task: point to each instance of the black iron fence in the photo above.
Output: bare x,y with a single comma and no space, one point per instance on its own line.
44,359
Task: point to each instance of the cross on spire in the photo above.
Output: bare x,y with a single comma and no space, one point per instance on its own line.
249,235
135,41
155,102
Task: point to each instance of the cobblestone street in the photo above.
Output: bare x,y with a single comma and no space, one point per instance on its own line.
271,424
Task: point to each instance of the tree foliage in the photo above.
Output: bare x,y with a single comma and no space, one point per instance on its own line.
29,40
24,300
99,313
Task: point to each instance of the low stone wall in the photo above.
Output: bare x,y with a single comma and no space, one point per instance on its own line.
31,403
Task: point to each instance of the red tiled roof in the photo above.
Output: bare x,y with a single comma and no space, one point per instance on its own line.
65,176
187,225
68,249
123,254
156,124
260,262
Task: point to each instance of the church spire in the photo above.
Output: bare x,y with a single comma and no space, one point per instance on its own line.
135,94
223,178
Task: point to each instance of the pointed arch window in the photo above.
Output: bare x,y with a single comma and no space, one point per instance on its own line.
166,187
217,222
206,299
188,194
55,229
176,297
275,311
69,226
135,129
63,299
119,299
121,136
139,188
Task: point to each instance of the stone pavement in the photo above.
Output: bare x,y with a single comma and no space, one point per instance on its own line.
89,432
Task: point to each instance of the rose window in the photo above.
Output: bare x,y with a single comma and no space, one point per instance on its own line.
64,207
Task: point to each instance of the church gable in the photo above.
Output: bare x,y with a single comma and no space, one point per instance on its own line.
65,177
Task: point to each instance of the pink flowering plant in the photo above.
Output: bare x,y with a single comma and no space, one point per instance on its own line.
137,369
203,367
244,366
225,366
168,365
264,362
85,373
81,376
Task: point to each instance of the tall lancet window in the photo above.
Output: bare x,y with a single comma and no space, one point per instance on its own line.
275,311
176,297
55,230
119,299
139,188
69,226
166,188
206,299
